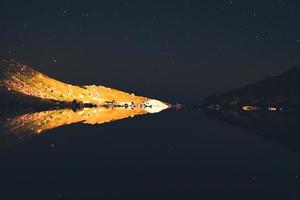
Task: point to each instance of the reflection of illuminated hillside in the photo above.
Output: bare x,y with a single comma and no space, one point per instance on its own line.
21,87
45,120
27,125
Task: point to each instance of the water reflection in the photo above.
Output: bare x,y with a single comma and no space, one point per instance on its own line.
269,111
269,107
60,103
282,127
22,127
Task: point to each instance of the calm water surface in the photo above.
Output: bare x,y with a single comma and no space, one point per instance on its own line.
179,154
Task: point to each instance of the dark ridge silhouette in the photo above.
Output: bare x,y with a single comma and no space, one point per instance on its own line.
278,91
276,107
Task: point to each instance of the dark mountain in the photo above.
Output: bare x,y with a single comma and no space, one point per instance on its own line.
273,91
268,108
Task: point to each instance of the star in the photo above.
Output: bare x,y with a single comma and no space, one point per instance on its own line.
64,13
84,14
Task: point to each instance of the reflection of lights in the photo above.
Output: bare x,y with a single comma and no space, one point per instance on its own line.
249,108
25,126
45,120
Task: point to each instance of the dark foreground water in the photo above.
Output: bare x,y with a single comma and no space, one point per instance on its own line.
171,155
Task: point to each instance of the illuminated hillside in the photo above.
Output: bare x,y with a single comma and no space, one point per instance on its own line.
22,79
54,103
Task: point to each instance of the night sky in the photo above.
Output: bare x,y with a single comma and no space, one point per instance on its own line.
174,51
171,50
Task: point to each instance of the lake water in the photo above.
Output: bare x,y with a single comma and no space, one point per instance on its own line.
175,154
